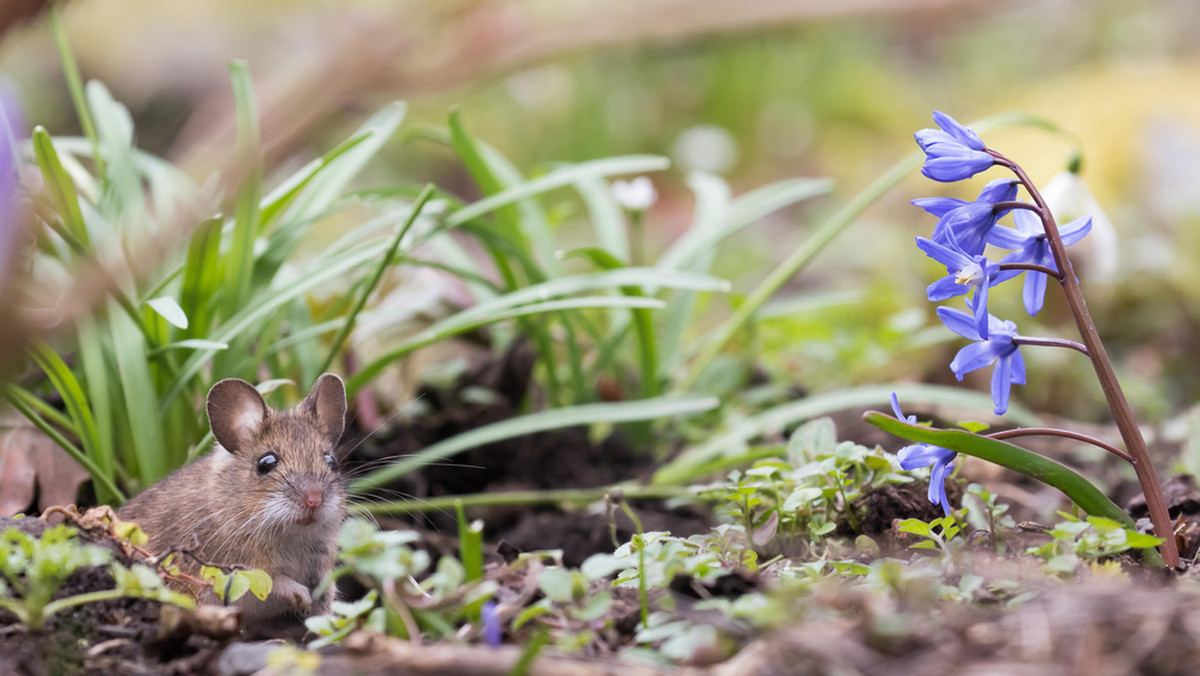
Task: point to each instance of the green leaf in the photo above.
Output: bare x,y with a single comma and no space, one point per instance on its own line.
238,587
557,584
585,414
973,427
62,188
168,308
914,526
258,582
1045,470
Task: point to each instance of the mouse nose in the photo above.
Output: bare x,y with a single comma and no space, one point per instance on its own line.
312,497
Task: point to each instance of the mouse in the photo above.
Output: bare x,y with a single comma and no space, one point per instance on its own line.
270,495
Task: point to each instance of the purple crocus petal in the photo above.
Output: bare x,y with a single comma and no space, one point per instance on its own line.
1002,384
1034,293
971,358
922,455
959,322
939,206
960,132
1075,230
949,162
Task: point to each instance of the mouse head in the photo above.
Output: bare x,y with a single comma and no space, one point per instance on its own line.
282,463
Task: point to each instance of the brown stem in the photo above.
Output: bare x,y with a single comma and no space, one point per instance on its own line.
1122,413
1067,434
1014,204
1050,342
1032,267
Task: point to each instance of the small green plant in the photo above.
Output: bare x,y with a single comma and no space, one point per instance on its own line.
572,608
35,568
805,495
1076,541
985,514
941,534
229,586
405,598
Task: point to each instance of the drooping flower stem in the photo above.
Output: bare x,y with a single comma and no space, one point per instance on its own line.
1117,403
1066,434
1051,342
1031,267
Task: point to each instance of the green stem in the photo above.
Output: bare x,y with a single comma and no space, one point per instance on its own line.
377,275
643,595
75,86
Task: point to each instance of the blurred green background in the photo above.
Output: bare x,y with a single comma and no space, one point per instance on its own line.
756,91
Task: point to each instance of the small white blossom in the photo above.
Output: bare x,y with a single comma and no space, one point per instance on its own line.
635,195
1069,198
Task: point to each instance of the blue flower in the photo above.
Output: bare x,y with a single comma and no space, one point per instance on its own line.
974,273
493,633
952,153
999,348
12,129
1029,240
969,223
923,455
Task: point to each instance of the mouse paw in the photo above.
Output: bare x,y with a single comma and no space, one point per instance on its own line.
295,594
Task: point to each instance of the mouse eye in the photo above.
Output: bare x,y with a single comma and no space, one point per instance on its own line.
267,463
329,460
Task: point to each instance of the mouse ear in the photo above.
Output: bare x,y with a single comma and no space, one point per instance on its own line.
236,412
326,403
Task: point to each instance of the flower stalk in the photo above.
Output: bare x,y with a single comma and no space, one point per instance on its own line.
1121,410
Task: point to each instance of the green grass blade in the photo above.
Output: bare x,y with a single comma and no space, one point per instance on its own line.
563,176
686,466
137,387
322,271
62,188
585,414
643,321
373,282
122,201
608,219
239,260
470,544
201,286
68,388
458,323
625,277
285,193
743,211
75,86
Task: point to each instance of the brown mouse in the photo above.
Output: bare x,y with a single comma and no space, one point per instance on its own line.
269,497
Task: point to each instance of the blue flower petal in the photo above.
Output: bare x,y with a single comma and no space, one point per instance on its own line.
917,456
939,206
937,485
959,322
971,358
960,132
1018,367
1034,293
896,407
948,162
1006,238
1075,230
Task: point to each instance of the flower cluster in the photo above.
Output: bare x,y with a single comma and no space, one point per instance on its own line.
960,239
